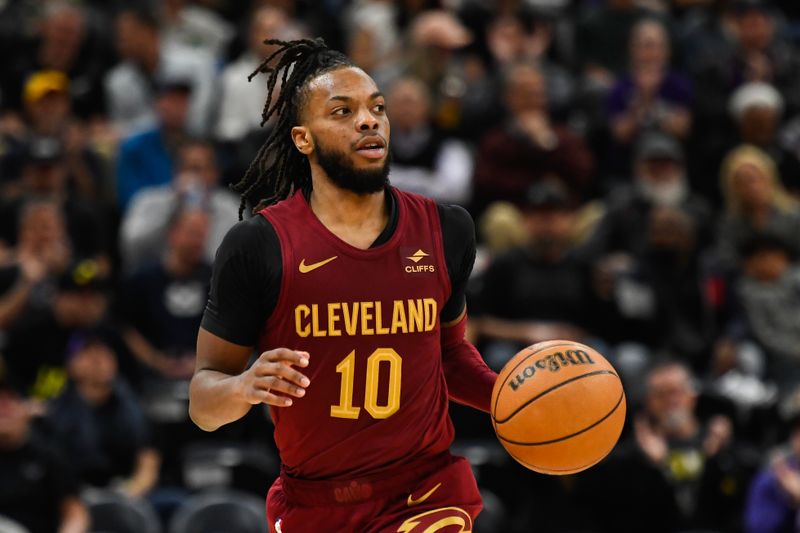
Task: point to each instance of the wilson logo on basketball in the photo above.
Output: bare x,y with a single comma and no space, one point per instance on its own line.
553,362
415,258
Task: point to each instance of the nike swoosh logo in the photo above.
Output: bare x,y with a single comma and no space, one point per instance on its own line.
305,269
412,502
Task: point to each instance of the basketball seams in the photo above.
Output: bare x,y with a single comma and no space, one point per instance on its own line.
583,446
511,372
567,437
551,389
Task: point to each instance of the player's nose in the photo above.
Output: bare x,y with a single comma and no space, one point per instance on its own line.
366,121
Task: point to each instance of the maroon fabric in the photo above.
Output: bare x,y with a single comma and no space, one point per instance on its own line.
347,308
508,164
452,504
469,380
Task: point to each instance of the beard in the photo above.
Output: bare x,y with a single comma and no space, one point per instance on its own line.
341,171
669,194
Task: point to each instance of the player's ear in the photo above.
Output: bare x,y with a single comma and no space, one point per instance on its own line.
302,139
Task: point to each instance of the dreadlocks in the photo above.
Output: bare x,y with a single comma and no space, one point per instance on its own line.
279,168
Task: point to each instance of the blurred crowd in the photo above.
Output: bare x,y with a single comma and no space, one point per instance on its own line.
633,167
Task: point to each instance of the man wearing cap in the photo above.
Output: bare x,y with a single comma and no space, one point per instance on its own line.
44,174
660,181
146,158
757,108
36,344
540,290
48,114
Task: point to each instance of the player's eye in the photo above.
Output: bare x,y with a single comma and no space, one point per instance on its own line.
341,111
380,108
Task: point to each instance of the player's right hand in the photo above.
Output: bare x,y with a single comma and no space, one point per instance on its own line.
273,372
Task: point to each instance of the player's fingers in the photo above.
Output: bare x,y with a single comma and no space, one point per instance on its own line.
276,384
283,371
294,357
265,396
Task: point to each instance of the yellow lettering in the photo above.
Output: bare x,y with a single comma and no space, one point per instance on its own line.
399,317
430,313
415,315
315,331
333,318
350,318
301,313
366,316
380,329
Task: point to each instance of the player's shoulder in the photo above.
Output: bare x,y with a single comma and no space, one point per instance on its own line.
252,233
456,219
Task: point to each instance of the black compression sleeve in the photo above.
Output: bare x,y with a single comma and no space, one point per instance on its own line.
245,282
458,234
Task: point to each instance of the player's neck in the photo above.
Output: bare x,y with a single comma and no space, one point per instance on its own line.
357,219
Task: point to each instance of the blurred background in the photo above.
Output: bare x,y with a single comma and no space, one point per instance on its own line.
633,167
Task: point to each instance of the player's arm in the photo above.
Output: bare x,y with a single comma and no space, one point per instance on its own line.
244,287
223,390
469,380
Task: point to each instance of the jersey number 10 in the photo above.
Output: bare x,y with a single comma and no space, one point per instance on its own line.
347,368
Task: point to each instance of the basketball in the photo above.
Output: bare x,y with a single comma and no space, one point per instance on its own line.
558,407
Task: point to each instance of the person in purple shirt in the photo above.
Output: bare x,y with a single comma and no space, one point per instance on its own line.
774,498
649,96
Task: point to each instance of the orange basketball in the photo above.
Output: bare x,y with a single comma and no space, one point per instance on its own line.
558,407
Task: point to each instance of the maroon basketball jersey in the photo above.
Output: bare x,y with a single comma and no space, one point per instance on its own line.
370,321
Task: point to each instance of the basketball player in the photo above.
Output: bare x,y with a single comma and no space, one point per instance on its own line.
353,294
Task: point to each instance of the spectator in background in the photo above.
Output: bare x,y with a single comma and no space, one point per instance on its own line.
99,423
529,146
190,25
49,113
147,60
44,176
756,53
41,254
36,344
676,472
774,496
146,159
755,202
439,54
767,299
424,159
196,185
538,291
708,472
374,37
512,40
657,297
241,100
37,488
163,304
756,108
604,40
65,42
659,181
650,96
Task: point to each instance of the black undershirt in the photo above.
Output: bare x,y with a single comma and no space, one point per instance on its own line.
248,267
